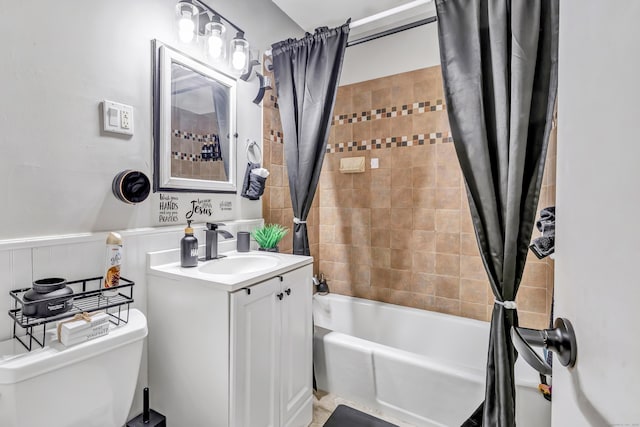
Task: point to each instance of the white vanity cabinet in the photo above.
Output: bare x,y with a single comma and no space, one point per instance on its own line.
231,355
271,356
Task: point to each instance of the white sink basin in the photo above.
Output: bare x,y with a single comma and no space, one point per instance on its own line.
239,264
231,273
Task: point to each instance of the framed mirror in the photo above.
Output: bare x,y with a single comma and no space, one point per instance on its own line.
194,119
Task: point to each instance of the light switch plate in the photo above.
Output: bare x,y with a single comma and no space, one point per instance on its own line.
117,118
375,163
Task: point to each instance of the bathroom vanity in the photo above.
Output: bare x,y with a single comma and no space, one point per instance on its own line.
230,340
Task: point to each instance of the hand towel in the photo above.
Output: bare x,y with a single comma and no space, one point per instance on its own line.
545,245
254,183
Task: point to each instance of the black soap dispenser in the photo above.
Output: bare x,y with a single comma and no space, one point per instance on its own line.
189,248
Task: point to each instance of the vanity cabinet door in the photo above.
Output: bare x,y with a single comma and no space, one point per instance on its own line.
255,345
295,344
271,356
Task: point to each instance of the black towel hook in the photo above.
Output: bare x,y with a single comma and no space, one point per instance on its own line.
561,340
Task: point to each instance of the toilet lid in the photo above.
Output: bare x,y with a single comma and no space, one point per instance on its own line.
17,364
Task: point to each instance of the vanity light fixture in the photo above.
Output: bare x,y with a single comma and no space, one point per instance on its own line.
214,32
186,12
239,53
196,20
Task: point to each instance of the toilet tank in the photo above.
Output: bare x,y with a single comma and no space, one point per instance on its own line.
89,384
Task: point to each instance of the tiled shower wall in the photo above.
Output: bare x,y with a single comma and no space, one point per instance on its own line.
548,198
191,132
402,232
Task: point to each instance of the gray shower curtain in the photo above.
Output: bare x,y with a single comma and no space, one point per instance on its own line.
220,95
307,72
499,66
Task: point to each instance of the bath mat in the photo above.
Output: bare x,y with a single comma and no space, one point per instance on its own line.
345,416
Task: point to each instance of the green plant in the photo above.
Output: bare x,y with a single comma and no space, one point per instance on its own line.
270,235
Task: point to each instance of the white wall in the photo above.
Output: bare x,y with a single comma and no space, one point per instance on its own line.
598,207
406,51
60,59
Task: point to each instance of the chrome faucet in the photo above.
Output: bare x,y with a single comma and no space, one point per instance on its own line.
211,240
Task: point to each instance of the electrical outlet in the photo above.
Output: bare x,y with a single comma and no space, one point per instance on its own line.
124,119
117,118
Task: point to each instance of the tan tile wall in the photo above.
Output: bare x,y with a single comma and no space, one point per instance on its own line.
402,233
547,198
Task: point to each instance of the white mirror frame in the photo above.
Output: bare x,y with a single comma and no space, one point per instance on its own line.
163,181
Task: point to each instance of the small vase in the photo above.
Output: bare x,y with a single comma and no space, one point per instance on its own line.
269,249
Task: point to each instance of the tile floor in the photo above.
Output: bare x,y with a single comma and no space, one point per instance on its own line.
324,404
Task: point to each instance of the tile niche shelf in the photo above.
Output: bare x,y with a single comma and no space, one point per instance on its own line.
87,297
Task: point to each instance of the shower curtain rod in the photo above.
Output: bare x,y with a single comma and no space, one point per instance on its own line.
385,14
392,31
385,33
389,12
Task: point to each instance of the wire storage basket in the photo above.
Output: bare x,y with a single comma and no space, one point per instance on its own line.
87,297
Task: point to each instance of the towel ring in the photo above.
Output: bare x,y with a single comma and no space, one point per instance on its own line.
250,145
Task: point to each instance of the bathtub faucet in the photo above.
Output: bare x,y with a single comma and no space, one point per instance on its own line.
321,284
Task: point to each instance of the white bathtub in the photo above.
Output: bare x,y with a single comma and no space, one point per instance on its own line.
425,368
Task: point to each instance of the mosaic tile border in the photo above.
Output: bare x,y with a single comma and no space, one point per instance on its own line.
178,155
276,136
209,137
389,112
394,141
274,100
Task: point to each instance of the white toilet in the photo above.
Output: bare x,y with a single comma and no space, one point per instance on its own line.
86,385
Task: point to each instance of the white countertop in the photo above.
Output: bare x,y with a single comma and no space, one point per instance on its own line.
164,264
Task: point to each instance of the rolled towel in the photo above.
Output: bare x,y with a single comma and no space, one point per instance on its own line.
543,246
